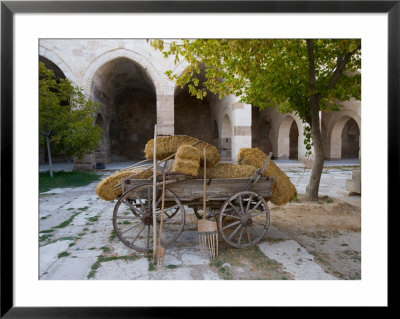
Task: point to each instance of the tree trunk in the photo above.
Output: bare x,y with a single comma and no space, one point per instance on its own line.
49,154
313,185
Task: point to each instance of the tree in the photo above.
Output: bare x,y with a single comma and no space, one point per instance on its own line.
300,76
65,117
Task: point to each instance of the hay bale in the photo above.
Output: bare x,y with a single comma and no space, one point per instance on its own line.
168,145
187,160
105,189
283,191
228,170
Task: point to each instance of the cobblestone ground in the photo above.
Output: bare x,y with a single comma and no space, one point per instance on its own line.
77,242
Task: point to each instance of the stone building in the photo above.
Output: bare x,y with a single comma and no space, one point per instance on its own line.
127,78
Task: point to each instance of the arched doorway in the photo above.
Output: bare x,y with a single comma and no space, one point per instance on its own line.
350,139
262,133
52,66
128,96
345,139
288,138
293,141
226,139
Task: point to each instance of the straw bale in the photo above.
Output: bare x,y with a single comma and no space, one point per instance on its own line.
188,152
283,191
105,189
187,160
186,166
228,170
168,145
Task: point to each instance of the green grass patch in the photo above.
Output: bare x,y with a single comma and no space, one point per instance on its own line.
105,249
67,238
151,266
93,219
102,259
172,266
47,231
82,209
45,237
112,235
65,223
63,254
71,244
64,179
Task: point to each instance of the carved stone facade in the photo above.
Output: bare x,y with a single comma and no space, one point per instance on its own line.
127,77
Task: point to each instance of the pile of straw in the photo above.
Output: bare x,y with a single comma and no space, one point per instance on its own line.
105,189
283,191
228,170
187,160
168,145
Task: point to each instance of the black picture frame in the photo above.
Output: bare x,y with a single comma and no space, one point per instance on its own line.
9,8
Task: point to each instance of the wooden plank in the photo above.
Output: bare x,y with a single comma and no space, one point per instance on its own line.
217,189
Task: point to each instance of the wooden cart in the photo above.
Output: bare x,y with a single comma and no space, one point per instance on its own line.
239,206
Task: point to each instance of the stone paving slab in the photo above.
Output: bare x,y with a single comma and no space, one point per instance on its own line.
295,260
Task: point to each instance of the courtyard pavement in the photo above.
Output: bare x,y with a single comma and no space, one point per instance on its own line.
77,240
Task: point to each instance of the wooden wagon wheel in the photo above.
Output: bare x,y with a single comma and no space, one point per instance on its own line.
244,219
133,217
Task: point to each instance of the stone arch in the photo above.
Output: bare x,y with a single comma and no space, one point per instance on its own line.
128,98
58,61
336,139
115,54
285,142
262,131
226,138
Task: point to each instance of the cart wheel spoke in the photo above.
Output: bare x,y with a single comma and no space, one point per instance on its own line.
255,207
235,231
139,233
248,235
230,225
129,228
240,236
241,204
234,208
248,203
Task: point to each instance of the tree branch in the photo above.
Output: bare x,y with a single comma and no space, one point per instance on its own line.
341,63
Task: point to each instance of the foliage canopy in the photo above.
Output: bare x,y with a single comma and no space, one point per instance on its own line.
66,116
269,72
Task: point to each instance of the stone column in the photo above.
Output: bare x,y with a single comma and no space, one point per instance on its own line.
241,122
165,112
